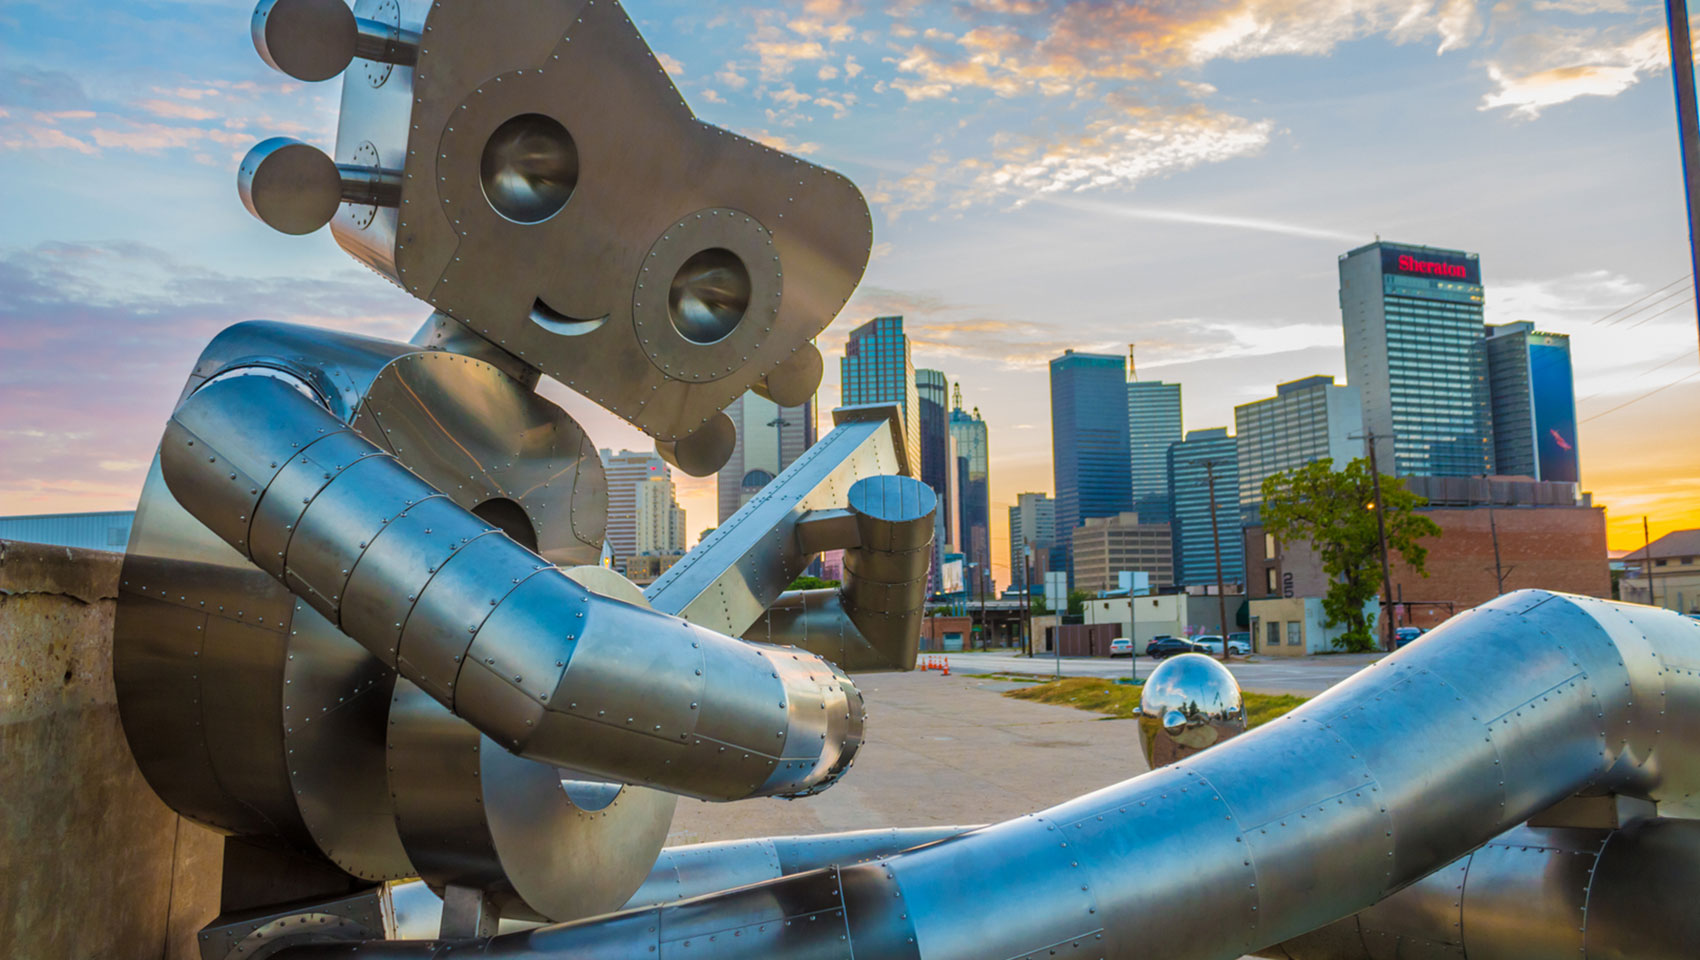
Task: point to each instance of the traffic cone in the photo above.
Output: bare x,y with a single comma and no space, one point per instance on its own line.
946,668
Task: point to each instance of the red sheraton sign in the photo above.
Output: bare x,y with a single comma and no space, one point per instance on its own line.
1435,268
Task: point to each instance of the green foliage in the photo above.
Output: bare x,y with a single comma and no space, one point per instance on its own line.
811,583
1335,512
1038,605
1122,699
1077,602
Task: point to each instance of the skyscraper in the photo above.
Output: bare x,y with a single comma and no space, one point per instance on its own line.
770,438
1534,403
1413,324
1153,424
932,390
625,470
876,368
1089,442
660,527
1032,526
974,535
1206,465
1305,421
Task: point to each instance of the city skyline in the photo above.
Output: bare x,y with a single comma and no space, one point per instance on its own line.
1029,194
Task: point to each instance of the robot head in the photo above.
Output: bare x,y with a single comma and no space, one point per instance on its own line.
526,167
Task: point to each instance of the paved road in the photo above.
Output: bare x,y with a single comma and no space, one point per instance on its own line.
1305,676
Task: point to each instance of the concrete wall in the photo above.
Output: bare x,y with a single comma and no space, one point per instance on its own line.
1159,616
93,864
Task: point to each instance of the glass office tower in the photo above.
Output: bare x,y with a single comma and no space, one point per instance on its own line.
1413,325
1153,425
1089,443
1206,465
1534,403
1307,420
974,533
876,368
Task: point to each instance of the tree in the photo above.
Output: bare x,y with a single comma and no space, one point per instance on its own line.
811,583
1037,604
1334,511
1077,602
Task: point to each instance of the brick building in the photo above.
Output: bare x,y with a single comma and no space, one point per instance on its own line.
1548,538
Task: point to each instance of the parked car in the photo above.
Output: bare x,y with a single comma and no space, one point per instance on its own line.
1161,647
1213,646
1121,647
1242,637
1405,635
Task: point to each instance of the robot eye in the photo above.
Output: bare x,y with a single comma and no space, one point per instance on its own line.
709,295
529,168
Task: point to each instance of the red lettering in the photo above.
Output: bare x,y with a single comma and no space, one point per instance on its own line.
1409,264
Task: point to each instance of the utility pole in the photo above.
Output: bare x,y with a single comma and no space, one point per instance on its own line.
1493,528
1647,558
1216,539
1387,642
1687,124
1027,596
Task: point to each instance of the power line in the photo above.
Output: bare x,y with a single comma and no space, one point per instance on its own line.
1679,293
1680,303
1639,299
1643,396
1652,369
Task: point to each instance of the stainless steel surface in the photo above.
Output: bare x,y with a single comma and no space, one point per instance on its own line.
728,580
683,872
1313,817
557,195
1189,704
614,690
310,40
475,816
290,186
1536,893
343,921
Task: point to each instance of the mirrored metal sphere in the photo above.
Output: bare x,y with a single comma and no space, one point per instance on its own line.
1189,703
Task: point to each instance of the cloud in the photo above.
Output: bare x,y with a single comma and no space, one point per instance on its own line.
134,318
1554,67
670,64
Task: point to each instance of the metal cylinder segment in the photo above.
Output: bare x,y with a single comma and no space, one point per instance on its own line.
1393,773
1534,893
492,631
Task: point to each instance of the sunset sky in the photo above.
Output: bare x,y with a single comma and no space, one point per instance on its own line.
1043,173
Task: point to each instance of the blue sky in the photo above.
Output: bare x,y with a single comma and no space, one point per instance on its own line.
1044,174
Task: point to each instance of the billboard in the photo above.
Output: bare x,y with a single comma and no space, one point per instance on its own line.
1440,264
1553,388
952,572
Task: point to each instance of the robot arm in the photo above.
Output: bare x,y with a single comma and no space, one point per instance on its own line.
492,631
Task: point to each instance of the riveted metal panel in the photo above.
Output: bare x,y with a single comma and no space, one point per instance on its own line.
1641,902
336,699
341,522
384,586
296,484
1466,768
452,606
477,434
728,580
525,638
1529,898
1060,915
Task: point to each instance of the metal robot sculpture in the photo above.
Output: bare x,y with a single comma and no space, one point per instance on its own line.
359,630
